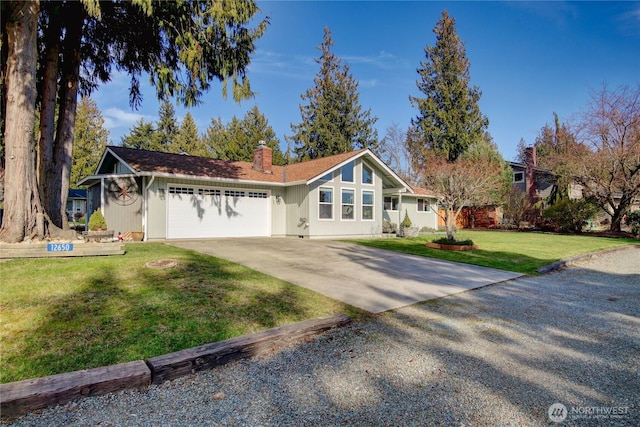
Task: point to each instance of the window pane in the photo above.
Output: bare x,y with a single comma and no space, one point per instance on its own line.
326,211
347,172
367,175
367,198
327,177
367,212
347,196
347,211
325,196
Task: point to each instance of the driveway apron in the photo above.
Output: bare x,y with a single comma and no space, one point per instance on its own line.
373,279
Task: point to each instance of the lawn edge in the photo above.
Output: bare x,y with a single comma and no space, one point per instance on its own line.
564,263
20,397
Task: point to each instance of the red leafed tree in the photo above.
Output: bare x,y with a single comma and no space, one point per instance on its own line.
477,178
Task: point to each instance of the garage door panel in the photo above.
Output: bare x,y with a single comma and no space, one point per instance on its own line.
202,213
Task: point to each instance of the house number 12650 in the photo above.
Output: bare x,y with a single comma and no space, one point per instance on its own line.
59,247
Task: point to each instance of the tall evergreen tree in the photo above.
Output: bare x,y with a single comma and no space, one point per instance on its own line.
166,127
449,118
183,46
333,120
142,136
240,138
90,140
188,139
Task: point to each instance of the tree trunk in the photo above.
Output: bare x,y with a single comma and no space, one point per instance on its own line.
48,103
59,171
22,202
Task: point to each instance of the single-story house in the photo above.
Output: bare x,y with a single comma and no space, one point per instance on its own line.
178,196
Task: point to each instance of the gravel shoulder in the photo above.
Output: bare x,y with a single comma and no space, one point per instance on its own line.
499,355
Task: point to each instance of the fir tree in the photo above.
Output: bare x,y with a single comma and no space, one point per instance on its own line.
332,119
188,139
449,118
90,140
141,136
166,127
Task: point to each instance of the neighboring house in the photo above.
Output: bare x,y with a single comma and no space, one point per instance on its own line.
76,203
177,196
538,183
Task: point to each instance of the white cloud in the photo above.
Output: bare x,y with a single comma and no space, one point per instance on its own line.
115,118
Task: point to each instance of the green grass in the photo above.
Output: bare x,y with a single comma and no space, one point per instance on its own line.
512,251
64,314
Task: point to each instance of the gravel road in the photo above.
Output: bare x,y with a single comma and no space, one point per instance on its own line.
499,355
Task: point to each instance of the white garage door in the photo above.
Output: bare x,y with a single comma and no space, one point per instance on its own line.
194,212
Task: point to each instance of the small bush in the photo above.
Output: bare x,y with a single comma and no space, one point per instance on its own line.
406,222
633,220
427,230
445,241
570,215
78,216
97,221
389,227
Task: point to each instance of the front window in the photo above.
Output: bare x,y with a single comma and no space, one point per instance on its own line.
367,205
518,177
347,172
348,204
325,206
367,174
390,203
423,205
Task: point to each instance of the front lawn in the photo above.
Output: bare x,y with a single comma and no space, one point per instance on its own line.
512,251
65,314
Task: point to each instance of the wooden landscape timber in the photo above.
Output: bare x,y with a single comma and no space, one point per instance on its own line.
186,362
43,250
29,395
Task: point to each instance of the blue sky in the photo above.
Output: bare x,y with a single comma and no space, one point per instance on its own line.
529,59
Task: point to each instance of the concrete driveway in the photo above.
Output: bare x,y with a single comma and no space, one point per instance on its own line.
375,280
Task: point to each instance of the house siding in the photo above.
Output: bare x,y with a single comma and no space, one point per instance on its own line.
121,218
337,227
418,219
297,211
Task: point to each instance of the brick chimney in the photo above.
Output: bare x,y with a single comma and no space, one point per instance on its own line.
263,158
530,162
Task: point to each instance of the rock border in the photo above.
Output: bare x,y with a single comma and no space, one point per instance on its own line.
20,397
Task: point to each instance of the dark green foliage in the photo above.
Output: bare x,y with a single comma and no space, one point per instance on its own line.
570,215
449,118
188,139
166,127
447,241
633,220
333,121
239,138
142,136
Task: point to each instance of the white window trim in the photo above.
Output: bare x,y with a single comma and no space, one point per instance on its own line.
514,177
373,176
427,202
397,203
333,202
353,169
353,190
373,205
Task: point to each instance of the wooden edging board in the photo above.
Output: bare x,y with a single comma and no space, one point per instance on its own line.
29,395
60,250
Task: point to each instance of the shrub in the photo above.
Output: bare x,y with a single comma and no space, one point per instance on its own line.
633,220
389,227
406,222
570,215
446,241
97,221
78,216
